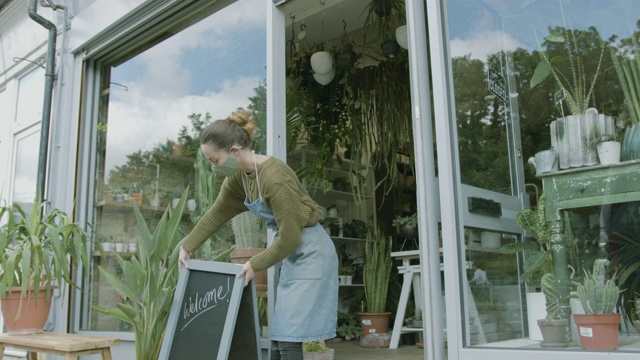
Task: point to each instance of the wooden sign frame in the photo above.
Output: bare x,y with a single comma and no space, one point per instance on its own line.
234,306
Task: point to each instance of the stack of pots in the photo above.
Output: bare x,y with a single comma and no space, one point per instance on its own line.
574,138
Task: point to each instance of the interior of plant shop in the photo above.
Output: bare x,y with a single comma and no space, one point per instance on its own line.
458,144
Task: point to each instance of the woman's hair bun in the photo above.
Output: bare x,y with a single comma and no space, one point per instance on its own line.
244,119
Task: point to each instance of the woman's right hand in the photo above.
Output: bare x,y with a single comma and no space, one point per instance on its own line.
183,258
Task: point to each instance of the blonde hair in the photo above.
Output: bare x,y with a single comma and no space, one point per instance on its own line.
238,128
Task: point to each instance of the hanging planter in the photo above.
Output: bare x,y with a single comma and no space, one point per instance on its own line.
402,37
322,62
324,79
390,48
346,59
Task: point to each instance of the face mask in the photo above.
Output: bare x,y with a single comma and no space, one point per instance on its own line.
227,168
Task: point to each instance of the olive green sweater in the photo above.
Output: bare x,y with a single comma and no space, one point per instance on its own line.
282,192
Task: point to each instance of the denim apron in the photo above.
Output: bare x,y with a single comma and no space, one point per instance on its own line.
307,296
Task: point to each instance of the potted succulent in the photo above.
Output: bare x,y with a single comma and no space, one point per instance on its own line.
376,274
39,252
407,226
251,239
316,350
598,326
554,328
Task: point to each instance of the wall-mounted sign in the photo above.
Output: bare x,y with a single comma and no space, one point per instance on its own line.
496,84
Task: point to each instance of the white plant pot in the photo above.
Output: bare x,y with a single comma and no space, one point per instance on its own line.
121,247
609,152
174,203
322,62
191,204
107,246
402,36
490,239
324,79
536,310
155,202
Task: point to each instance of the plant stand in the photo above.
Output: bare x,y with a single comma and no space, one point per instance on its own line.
411,276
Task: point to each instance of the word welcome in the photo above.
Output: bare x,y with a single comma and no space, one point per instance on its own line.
200,304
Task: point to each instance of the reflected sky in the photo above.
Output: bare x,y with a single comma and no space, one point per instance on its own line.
213,66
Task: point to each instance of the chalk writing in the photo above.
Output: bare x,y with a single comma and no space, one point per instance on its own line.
201,303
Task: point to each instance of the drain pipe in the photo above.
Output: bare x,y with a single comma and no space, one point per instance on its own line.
48,96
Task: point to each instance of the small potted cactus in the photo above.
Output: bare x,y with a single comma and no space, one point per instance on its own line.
598,326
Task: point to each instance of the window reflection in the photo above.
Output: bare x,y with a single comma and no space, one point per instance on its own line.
152,109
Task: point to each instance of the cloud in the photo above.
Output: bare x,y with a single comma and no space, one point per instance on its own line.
160,93
480,45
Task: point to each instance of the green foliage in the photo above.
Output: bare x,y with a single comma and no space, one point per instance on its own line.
597,294
551,290
377,270
348,326
409,220
538,260
314,346
636,306
39,249
149,280
628,71
249,231
572,79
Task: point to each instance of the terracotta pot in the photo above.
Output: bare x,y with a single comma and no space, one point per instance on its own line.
598,331
374,323
555,332
32,316
241,256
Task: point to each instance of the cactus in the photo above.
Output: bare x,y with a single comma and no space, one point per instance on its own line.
598,295
248,230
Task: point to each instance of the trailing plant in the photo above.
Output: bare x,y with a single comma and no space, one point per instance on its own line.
577,89
598,294
39,249
628,71
377,270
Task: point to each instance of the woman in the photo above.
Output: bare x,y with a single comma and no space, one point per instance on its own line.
307,295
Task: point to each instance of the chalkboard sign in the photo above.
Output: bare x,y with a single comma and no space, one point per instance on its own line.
212,315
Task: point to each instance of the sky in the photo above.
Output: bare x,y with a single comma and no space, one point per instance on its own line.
212,66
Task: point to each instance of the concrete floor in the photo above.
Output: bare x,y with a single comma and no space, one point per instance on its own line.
351,350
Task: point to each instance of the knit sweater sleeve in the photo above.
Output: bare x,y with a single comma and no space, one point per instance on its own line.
229,203
293,210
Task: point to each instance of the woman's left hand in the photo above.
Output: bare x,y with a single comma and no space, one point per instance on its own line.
248,273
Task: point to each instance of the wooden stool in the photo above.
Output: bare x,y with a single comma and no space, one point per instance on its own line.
68,345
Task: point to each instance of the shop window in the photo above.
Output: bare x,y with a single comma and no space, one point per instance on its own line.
152,107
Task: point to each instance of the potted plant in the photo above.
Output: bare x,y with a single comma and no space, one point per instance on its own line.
376,274
348,327
538,262
251,239
636,308
407,226
573,136
149,279
316,350
554,328
39,252
598,326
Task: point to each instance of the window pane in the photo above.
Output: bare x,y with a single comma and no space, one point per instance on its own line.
30,97
26,169
152,108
